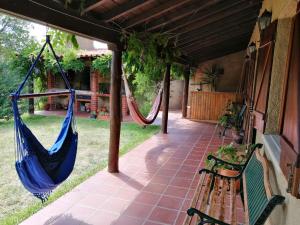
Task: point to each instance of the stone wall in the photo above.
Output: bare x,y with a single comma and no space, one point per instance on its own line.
176,91
229,81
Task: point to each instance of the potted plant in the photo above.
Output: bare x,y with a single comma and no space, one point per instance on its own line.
211,74
104,115
93,115
229,153
224,120
231,119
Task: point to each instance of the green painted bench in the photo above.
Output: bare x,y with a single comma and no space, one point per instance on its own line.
215,199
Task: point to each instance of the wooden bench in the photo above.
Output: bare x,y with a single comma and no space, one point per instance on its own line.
215,199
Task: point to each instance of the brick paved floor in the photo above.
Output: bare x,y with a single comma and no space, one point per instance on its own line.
154,187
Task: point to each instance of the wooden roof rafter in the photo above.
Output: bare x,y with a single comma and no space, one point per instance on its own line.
219,50
215,40
153,13
192,24
122,9
211,29
226,12
92,5
183,12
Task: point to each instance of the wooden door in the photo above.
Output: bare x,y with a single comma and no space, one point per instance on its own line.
248,96
263,76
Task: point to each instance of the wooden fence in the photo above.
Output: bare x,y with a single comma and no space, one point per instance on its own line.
210,105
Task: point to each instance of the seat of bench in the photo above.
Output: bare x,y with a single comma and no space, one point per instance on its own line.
216,200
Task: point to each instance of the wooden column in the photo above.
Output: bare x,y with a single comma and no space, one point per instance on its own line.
94,87
166,95
185,92
31,90
115,111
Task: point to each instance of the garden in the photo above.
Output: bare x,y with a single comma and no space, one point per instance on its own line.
18,49
15,202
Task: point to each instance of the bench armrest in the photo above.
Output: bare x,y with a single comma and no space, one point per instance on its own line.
238,167
215,174
205,219
218,161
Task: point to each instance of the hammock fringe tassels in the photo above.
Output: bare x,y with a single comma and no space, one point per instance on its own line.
39,169
136,115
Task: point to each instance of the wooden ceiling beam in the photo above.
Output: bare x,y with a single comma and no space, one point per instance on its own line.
92,5
245,27
220,26
154,12
217,40
220,47
217,15
122,10
181,13
218,54
53,14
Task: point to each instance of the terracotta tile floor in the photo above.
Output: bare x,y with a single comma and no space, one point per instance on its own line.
154,187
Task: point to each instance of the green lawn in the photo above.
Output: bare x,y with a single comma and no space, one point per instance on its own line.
16,203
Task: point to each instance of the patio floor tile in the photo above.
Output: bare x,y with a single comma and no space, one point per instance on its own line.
170,202
163,215
155,185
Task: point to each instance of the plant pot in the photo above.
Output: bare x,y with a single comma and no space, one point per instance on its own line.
93,116
104,117
231,173
237,137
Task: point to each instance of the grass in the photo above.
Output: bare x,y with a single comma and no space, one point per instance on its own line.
16,204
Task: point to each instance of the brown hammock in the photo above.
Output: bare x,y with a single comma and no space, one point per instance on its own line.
135,113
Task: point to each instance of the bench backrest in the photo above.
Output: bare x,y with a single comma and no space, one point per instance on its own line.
258,197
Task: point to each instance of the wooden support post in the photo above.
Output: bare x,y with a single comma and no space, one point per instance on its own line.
185,92
115,111
30,90
166,95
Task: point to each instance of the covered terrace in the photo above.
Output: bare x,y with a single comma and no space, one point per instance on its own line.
196,27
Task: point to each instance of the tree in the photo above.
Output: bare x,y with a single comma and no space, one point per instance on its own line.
16,48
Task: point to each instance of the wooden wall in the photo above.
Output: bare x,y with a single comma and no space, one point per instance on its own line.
210,105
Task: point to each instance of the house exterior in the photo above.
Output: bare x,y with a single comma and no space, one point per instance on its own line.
276,102
92,88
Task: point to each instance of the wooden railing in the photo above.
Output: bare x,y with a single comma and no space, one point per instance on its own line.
210,105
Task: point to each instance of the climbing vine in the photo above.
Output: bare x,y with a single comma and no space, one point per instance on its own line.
65,45
102,64
146,57
145,61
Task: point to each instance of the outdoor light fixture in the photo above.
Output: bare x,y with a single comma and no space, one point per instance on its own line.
264,20
251,47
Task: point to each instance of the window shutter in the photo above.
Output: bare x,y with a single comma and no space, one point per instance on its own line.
263,76
290,120
248,96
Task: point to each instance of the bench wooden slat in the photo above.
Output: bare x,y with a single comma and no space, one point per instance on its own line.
204,197
213,198
222,199
197,195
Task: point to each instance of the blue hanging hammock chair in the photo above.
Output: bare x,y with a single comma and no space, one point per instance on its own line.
41,170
